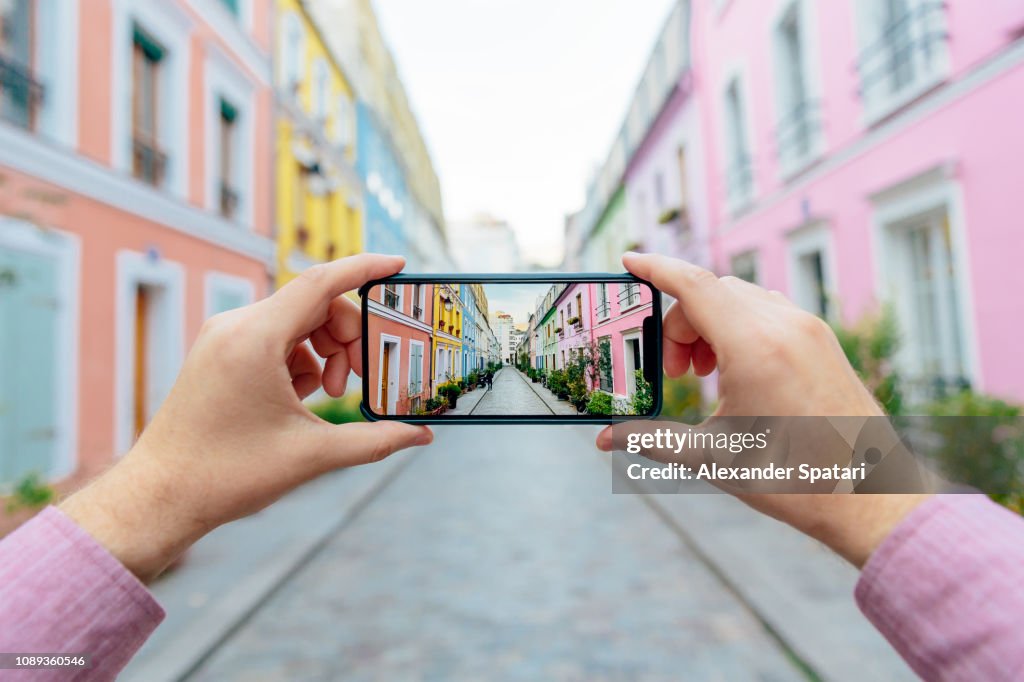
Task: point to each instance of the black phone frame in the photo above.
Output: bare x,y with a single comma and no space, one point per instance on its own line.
652,343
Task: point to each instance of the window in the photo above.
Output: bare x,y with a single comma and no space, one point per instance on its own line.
148,161
579,309
739,173
744,266
798,115
604,347
659,191
603,308
321,90
903,51
20,93
929,307
228,143
292,48
809,262
417,301
629,295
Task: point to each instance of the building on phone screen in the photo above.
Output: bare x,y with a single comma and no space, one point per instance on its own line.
447,337
399,332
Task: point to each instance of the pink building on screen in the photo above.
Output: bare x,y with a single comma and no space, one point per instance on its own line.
574,315
618,315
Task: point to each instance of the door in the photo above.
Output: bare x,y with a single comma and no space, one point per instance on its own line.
141,379
633,362
385,377
29,308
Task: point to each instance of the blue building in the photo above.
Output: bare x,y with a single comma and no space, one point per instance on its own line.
470,329
387,196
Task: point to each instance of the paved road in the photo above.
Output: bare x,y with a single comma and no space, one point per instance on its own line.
514,394
508,560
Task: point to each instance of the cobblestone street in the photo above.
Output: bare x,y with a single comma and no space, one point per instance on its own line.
490,558
514,394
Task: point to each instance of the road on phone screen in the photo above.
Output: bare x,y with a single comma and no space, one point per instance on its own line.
513,394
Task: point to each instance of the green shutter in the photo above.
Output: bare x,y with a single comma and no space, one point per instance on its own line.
149,45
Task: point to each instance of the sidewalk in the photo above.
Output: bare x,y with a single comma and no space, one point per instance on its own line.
467,401
562,407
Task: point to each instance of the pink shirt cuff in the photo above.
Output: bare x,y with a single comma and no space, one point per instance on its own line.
61,592
946,588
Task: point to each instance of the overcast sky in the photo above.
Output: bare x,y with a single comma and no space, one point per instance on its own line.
520,99
518,300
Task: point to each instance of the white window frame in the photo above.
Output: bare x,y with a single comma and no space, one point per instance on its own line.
215,282
933,191
810,48
627,336
399,291
801,242
879,104
292,46
136,269
423,366
384,340
171,26
223,80
66,248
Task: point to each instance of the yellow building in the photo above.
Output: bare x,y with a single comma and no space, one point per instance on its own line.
447,337
319,197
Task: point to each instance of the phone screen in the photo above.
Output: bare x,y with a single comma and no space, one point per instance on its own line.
515,348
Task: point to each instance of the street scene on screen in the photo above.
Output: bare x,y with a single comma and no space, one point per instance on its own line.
510,349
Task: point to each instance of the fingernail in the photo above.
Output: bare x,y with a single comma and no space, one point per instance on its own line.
426,437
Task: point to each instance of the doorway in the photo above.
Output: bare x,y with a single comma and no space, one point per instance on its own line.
632,360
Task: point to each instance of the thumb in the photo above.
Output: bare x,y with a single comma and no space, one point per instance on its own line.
346,445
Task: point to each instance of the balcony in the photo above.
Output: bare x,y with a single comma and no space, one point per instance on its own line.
228,200
797,134
417,312
391,299
907,57
149,164
603,309
20,94
629,295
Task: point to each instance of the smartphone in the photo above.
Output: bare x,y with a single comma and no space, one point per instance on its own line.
534,348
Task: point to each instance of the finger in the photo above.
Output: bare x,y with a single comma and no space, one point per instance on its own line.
304,371
704,359
364,442
676,358
676,327
355,356
706,303
302,305
346,320
336,372
324,342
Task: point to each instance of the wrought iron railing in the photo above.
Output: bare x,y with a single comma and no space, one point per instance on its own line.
629,295
603,309
417,312
907,43
391,299
148,163
20,93
798,129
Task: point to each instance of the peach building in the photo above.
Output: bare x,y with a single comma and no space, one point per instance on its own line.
135,201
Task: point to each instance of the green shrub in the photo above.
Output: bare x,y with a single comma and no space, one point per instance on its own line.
681,398
31,492
981,444
434,403
642,401
599,403
451,391
473,378
870,345
558,382
339,411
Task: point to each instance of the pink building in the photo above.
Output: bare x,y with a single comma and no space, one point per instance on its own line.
574,316
135,186
618,314
868,152
400,327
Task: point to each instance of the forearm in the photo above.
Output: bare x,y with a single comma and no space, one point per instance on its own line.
946,588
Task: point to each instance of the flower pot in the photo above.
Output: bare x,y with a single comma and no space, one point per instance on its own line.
453,401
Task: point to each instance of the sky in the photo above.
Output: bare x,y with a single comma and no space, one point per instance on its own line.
519,100
518,300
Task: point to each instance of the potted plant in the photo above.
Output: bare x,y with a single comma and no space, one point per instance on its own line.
558,384
472,379
451,392
575,321
435,406
558,330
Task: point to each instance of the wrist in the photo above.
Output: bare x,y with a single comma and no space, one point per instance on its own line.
865,522
136,514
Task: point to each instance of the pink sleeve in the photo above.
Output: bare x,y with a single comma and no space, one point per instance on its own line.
946,588
62,593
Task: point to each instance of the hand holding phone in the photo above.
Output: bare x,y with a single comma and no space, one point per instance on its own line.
511,348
